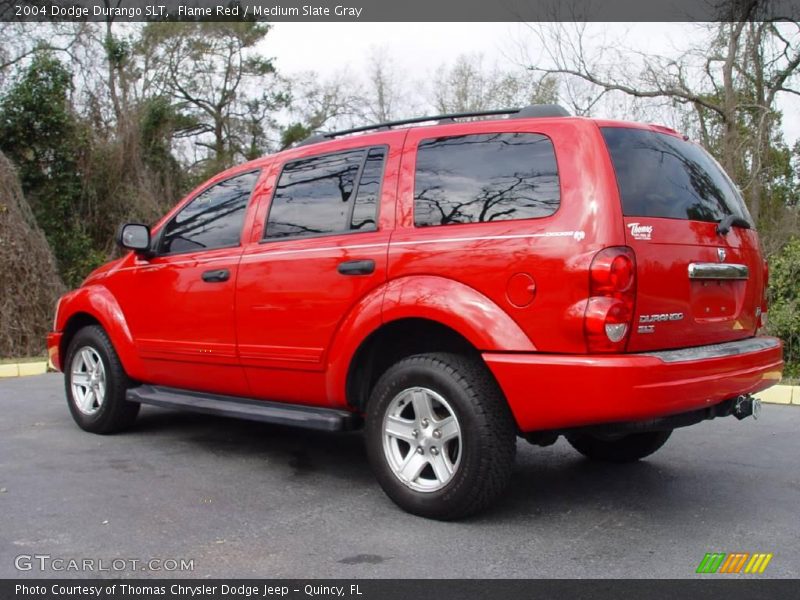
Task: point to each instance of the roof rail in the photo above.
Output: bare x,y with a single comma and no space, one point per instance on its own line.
535,111
532,111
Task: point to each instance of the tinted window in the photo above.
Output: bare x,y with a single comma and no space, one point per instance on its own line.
660,175
313,195
487,177
366,202
213,219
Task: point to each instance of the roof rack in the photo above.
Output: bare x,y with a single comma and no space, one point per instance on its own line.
532,111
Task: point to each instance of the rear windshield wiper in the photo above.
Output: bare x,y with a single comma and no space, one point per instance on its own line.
724,226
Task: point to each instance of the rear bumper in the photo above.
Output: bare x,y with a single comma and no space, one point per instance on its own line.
547,391
53,345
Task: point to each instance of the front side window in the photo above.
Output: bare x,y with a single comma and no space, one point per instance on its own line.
328,194
485,177
213,219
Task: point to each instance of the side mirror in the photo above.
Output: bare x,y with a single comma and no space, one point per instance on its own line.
135,236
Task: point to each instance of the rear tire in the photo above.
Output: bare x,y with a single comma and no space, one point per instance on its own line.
628,448
96,383
440,437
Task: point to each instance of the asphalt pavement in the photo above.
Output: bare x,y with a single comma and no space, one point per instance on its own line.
242,499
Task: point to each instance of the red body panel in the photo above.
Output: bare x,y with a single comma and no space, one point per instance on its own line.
97,302
287,324
713,310
558,391
183,327
554,251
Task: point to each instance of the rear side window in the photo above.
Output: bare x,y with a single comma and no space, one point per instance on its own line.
327,194
660,175
213,219
485,177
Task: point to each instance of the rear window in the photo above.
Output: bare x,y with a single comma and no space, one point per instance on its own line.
485,177
660,175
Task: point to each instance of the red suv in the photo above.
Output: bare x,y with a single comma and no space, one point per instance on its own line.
450,283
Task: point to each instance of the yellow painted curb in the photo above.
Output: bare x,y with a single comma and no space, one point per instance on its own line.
780,394
34,368
9,370
23,369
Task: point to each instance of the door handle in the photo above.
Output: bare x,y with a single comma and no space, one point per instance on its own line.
357,267
216,276
718,271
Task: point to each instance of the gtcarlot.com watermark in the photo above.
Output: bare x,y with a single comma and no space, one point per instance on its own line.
61,564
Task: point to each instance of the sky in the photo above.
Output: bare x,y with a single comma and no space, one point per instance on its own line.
418,48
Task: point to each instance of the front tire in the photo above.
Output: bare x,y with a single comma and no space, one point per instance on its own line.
627,448
96,383
440,437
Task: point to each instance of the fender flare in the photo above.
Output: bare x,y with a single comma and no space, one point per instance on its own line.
99,303
445,301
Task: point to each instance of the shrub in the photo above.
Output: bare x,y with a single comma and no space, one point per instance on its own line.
784,304
29,283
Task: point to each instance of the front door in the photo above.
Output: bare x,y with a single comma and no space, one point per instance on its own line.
179,305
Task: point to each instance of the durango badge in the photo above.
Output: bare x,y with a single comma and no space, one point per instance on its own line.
641,232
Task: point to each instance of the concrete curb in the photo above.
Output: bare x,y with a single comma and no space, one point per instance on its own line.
777,394
24,369
781,394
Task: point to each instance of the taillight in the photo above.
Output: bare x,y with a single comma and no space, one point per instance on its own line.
762,317
612,291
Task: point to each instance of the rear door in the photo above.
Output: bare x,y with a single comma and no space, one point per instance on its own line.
695,285
322,249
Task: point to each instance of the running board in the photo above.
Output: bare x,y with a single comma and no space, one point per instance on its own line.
323,419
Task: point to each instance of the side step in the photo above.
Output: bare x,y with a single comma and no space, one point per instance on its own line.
323,419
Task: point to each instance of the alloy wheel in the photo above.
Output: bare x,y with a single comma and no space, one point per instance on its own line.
422,439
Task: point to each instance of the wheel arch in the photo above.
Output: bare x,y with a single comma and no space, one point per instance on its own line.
392,342
441,314
73,325
95,305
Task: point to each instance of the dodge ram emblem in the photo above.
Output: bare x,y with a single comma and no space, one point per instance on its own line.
721,254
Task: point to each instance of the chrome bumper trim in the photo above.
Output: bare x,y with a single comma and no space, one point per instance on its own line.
753,344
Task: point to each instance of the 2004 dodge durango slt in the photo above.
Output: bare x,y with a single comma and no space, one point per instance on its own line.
449,283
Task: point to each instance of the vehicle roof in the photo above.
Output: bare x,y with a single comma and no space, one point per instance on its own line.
381,135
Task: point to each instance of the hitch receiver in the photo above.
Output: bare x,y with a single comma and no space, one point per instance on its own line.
746,406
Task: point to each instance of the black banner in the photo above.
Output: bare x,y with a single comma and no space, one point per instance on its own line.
394,11
393,589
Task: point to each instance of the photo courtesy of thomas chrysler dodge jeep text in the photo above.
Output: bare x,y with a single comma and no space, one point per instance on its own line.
449,283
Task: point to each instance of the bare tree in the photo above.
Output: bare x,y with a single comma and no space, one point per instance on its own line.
728,82
318,104
20,41
469,85
385,91
218,80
